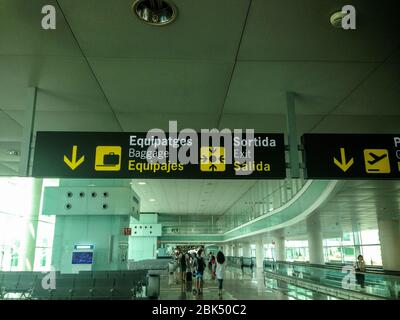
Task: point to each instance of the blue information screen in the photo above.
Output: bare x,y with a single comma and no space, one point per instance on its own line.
82,257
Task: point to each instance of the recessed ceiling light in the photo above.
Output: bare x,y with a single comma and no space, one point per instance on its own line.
155,12
152,200
142,183
13,152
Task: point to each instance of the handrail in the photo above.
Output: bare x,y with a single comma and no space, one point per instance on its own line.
329,290
382,285
339,266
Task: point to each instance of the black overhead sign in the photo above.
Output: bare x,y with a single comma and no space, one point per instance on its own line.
133,155
347,156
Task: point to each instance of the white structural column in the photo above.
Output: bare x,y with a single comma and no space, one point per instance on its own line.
225,249
236,250
280,248
315,240
246,250
389,236
31,226
231,250
259,253
260,264
27,133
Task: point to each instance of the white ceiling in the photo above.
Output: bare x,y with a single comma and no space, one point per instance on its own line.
218,64
190,197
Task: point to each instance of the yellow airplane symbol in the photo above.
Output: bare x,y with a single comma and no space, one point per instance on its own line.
74,163
342,164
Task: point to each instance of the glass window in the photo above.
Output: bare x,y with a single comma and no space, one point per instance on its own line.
269,253
14,258
349,254
333,242
333,254
14,221
297,254
369,237
346,250
372,255
348,239
296,243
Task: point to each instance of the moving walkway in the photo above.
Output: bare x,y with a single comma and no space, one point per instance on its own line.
335,280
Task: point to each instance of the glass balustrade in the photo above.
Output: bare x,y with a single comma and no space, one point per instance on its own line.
345,277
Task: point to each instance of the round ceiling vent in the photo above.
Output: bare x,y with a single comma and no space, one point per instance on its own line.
155,12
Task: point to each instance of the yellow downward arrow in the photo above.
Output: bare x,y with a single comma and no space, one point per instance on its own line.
342,164
74,163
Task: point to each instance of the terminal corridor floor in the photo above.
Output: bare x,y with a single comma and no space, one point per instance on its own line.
238,285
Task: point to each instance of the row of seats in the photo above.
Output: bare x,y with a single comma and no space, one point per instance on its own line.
86,285
109,274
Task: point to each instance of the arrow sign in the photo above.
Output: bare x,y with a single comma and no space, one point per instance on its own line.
342,164
74,163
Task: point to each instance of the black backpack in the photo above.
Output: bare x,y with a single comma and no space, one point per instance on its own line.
200,264
183,261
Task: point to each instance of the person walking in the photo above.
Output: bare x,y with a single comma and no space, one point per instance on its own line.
360,271
220,271
213,266
183,266
178,266
200,265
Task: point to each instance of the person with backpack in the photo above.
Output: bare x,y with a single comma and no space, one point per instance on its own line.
189,275
220,271
209,261
213,266
200,265
360,270
183,267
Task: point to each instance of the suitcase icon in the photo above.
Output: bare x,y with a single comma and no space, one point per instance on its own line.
111,159
108,158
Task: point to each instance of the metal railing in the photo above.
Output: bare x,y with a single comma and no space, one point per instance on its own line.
370,283
343,280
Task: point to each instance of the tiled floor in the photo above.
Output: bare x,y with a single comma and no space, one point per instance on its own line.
238,285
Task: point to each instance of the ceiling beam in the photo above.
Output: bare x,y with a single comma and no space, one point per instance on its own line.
221,112
90,68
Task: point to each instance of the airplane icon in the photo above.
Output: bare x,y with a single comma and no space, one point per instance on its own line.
376,161
376,158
